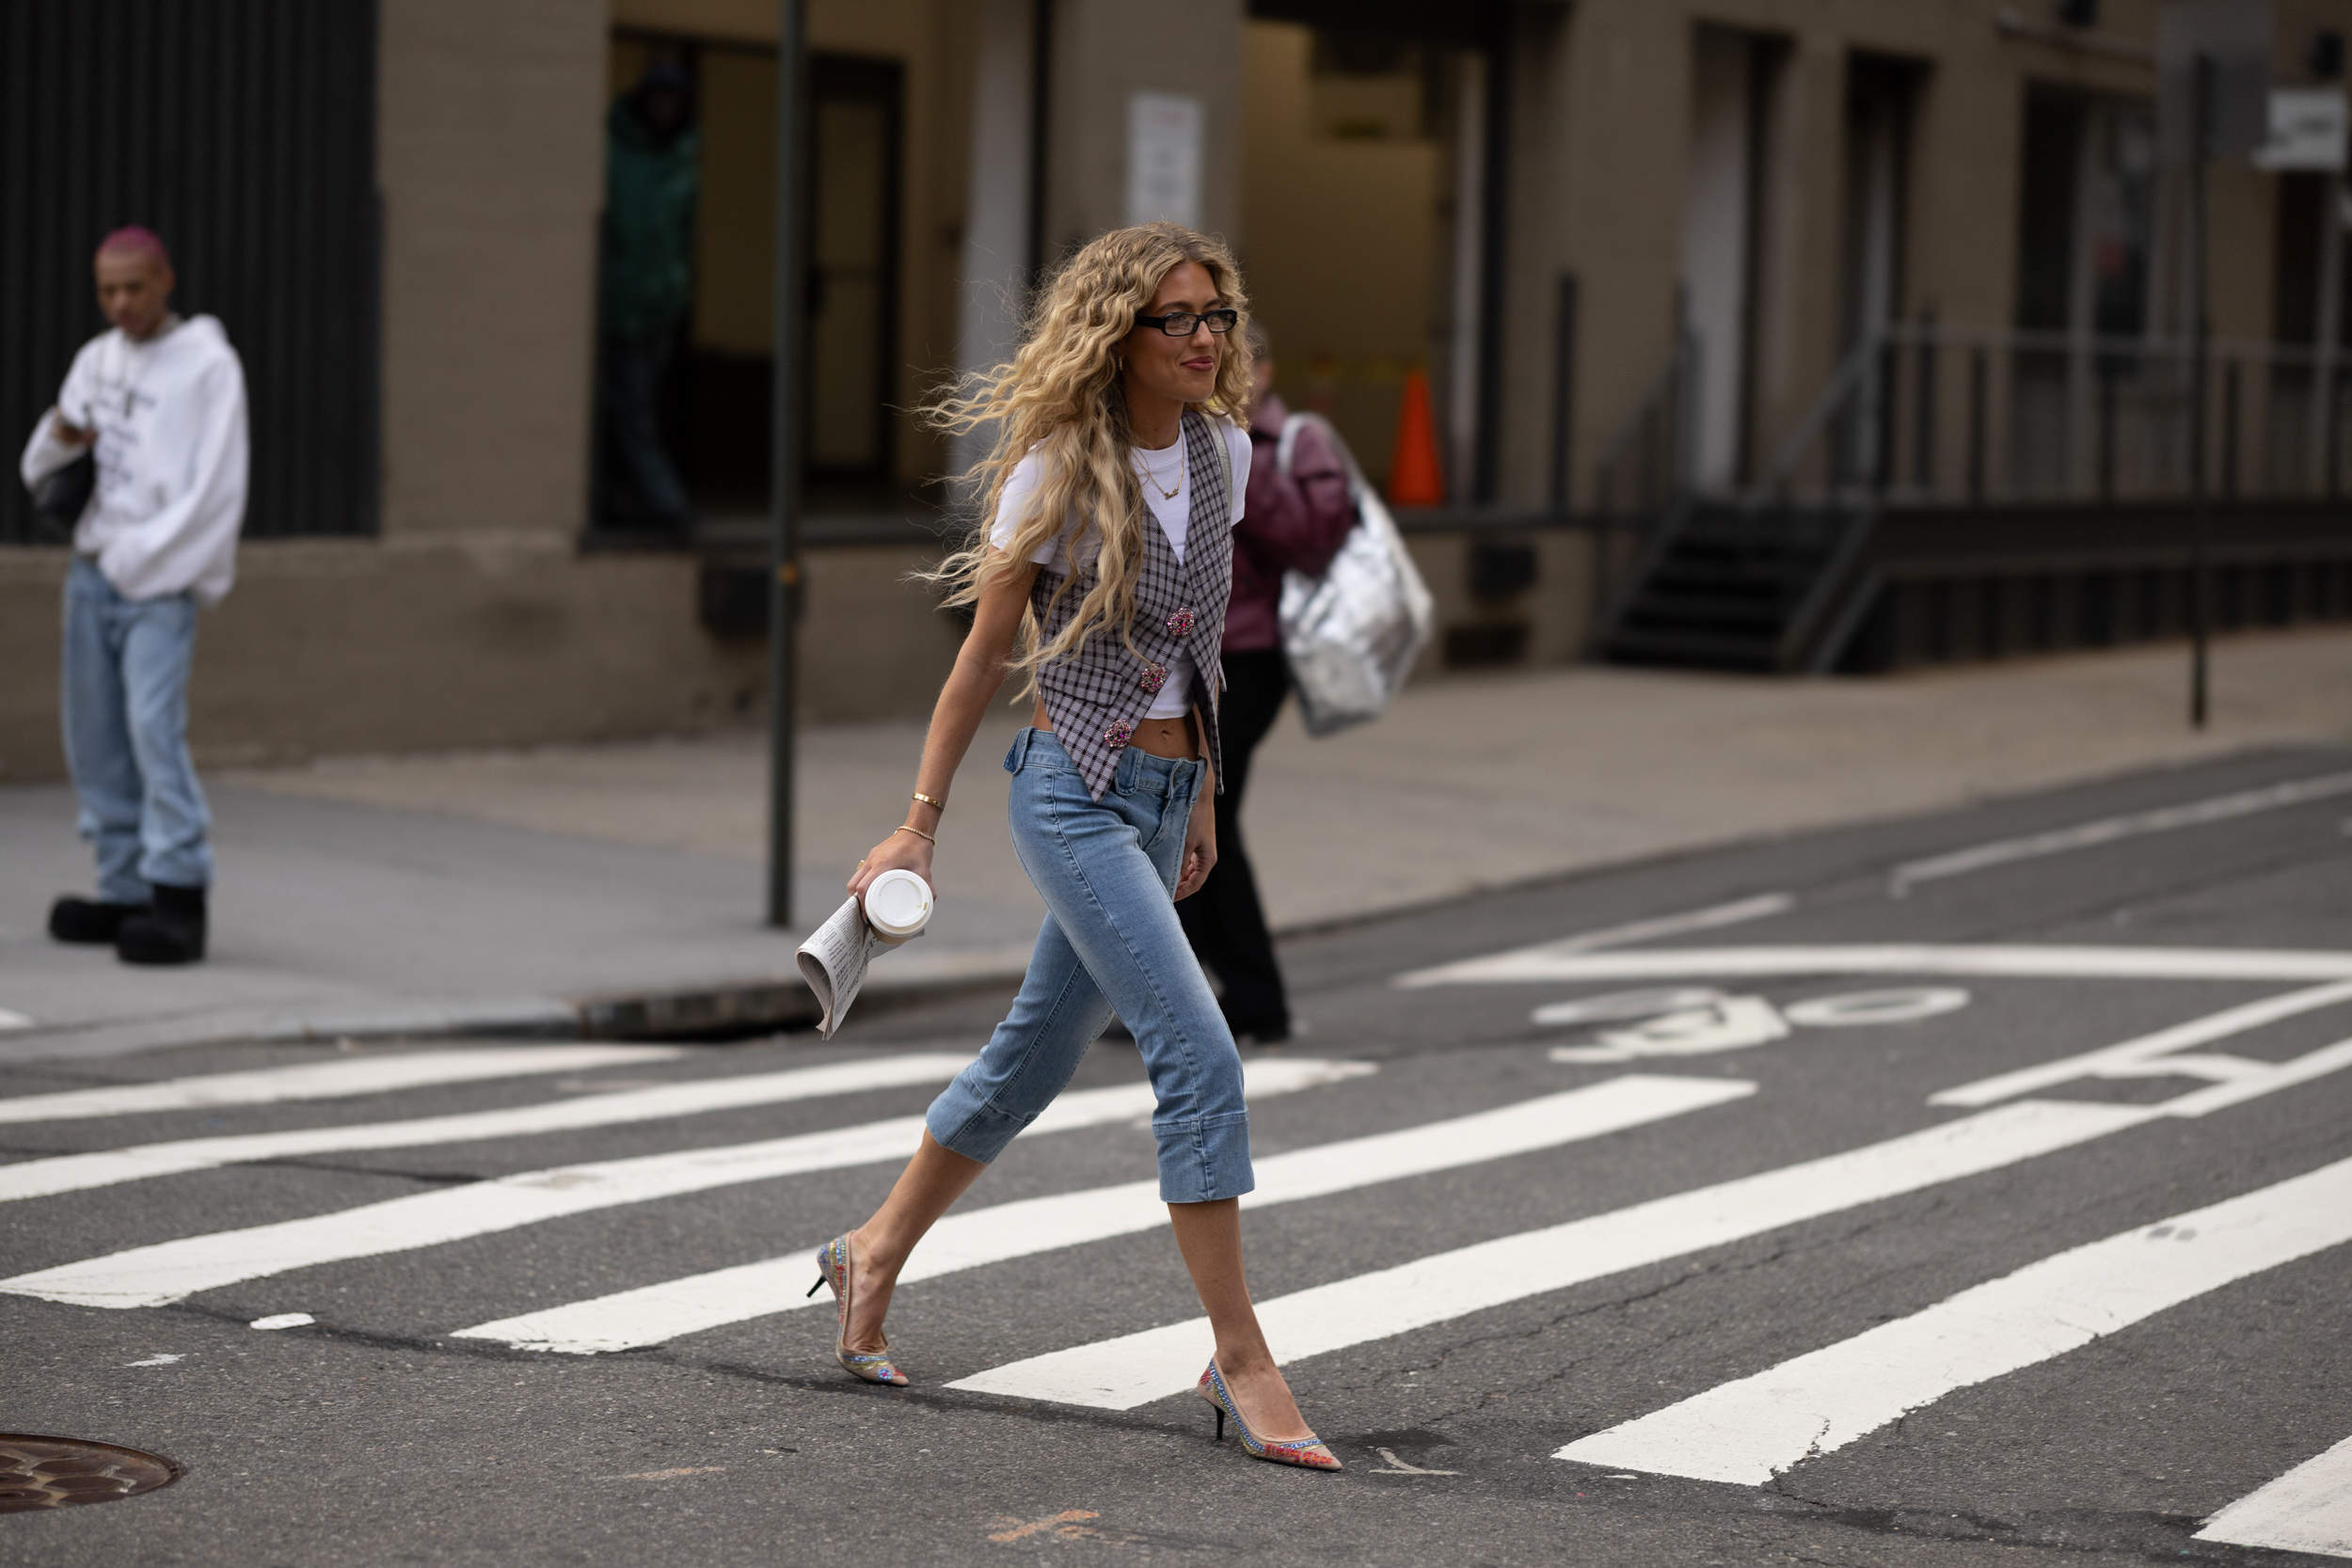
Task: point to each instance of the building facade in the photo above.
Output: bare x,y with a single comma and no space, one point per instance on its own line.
1641,254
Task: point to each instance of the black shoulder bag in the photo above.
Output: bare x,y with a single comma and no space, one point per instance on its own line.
61,495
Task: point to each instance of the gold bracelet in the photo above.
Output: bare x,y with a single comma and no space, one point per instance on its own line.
931,800
910,828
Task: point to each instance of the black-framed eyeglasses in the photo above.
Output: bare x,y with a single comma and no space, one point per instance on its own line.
1184,323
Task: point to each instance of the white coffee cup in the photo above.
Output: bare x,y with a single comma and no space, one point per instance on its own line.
898,906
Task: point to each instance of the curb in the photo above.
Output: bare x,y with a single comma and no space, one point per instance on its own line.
712,1011
764,1006
768,1004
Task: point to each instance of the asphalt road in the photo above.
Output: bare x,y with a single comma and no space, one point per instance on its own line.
1781,1305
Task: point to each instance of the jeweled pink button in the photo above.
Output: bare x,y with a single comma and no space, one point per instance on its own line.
1115,736
1153,677
1181,622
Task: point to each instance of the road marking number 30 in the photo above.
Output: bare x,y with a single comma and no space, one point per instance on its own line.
1696,1021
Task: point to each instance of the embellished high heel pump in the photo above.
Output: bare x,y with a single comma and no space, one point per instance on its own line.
832,1268
1307,1452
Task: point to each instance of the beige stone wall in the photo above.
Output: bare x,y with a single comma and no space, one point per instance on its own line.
30,584
474,619
1602,145
434,644
1556,611
491,173
328,648
1106,50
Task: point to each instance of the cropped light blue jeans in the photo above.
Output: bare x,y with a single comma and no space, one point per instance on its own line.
1111,944
126,735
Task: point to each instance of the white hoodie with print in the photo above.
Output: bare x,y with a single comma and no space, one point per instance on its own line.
170,414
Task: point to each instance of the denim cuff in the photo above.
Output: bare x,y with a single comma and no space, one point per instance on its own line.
1204,1159
979,1132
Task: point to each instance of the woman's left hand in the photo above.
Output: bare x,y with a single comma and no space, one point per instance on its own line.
1199,847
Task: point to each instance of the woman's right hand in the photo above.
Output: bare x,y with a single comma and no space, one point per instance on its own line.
901,852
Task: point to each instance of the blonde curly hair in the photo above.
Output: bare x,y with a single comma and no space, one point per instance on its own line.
1062,398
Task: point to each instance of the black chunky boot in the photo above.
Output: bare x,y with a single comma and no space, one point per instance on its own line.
90,920
169,932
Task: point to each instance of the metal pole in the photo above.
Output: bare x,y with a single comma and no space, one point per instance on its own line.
1976,427
1563,393
1041,144
1923,408
784,466
2327,319
2229,428
2106,429
2201,535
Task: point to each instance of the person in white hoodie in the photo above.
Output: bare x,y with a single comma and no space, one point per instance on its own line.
159,403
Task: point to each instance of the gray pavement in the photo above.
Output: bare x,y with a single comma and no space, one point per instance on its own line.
549,890
2102,1426
333,919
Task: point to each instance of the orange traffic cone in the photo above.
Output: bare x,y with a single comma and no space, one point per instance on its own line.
1416,477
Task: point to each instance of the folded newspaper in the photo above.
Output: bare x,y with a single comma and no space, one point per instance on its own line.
834,958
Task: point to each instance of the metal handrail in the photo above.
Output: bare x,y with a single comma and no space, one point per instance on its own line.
2086,417
2121,345
1663,387
1843,383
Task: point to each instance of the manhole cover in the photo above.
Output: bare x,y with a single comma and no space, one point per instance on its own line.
58,1472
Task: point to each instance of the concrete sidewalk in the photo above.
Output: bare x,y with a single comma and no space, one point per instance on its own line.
616,888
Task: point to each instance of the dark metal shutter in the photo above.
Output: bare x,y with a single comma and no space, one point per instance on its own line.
244,132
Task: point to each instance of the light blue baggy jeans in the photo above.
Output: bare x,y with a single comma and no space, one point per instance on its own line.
1111,944
126,735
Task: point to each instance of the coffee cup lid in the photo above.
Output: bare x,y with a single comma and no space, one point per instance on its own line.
897,903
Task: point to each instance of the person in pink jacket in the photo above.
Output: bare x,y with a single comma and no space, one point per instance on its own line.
1291,522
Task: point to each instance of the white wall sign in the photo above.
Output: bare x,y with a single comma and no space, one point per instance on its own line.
2307,130
1164,159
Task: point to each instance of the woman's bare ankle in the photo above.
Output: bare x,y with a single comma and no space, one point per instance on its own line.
869,1256
1239,1361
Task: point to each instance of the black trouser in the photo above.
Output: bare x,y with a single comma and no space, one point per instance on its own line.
1224,919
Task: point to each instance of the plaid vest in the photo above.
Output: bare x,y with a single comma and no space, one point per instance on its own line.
1098,692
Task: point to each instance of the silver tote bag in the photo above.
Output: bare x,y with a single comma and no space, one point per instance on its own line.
1351,635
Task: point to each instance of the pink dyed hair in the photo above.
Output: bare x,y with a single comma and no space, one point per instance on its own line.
135,240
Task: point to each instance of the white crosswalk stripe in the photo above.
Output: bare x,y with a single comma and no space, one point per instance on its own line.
67,1173
170,1270
337,1080
2038,961
2307,1510
656,1314
1749,1431
2138,1057
1136,1368
2111,830
1744,1432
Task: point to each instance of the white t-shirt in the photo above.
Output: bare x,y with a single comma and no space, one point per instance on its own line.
1155,472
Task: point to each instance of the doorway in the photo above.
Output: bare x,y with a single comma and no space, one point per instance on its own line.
715,398
2304,438
1723,215
1880,93
1363,166
2086,223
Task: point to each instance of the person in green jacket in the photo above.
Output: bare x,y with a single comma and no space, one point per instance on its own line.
652,176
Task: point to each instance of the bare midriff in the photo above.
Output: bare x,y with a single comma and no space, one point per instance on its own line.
1159,737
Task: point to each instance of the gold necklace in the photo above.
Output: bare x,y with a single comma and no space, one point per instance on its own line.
1144,467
